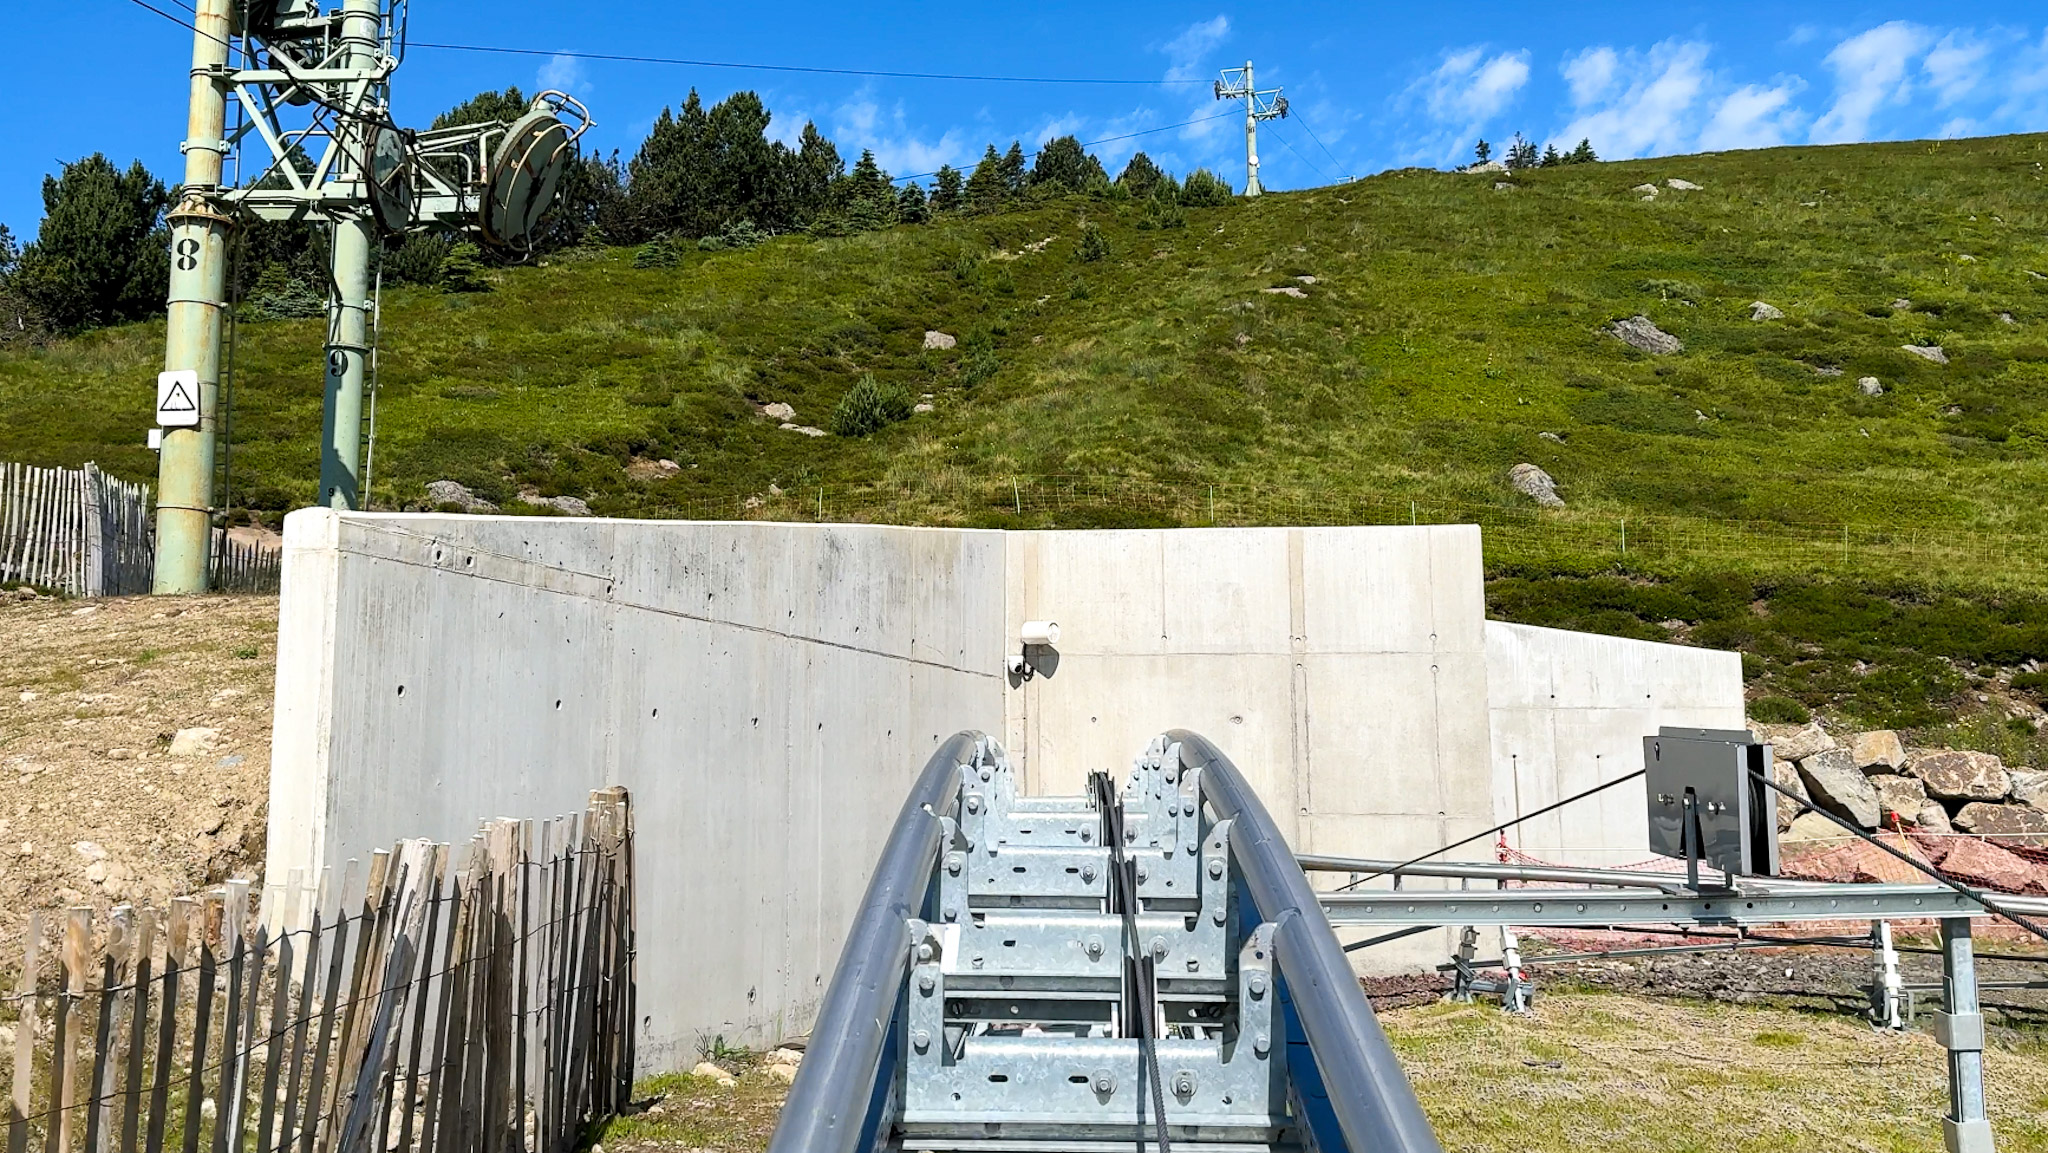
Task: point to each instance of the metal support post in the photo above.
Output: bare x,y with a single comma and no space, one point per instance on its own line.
1468,949
1516,997
1960,1029
199,231
348,309
1887,993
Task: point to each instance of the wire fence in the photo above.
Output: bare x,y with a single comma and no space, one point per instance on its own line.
1512,534
487,1010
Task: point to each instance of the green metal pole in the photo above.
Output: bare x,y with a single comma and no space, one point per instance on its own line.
199,231
348,309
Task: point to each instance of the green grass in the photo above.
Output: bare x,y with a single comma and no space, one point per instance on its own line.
1450,325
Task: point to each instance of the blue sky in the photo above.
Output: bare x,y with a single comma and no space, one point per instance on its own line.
1376,85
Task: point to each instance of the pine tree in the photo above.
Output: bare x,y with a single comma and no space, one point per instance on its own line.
1015,176
1584,153
911,205
102,254
1063,166
484,108
985,191
946,190
1551,159
1484,152
1141,176
865,196
810,172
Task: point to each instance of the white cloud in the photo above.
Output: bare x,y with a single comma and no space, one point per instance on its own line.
563,74
1188,56
1955,65
1591,74
1753,116
1189,51
1469,87
863,123
1645,102
1959,127
1870,74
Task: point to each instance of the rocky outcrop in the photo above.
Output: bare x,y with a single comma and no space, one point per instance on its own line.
1638,332
1837,785
1878,752
1786,774
1535,484
1797,742
1952,775
2010,824
1899,797
1761,311
1931,352
448,492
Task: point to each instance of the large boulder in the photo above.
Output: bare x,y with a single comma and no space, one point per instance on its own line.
1639,332
1901,797
1797,742
1837,785
1535,484
1878,752
1933,818
2011,824
1954,775
2029,788
1786,774
1811,831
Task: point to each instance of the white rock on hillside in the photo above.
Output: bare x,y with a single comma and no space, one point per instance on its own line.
1682,185
939,341
194,742
778,411
1871,386
1639,332
1931,352
1759,311
1535,484
440,492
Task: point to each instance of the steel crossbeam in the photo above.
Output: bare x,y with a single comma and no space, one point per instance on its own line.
1590,907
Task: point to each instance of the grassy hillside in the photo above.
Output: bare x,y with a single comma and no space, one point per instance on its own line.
1450,325
1450,322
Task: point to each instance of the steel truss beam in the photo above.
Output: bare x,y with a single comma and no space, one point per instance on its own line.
1571,908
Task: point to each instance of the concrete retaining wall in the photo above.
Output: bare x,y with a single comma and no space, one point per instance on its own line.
1570,710
768,692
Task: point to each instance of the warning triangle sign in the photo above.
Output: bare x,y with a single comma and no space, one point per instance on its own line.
177,400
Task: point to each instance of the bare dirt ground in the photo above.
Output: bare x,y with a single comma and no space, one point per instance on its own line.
101,801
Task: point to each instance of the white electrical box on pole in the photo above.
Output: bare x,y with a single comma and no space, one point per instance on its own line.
312,86
1238,84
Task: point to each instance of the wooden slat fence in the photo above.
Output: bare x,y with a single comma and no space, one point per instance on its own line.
479,1005
90,534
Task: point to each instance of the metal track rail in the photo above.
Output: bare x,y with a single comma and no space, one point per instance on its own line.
999,994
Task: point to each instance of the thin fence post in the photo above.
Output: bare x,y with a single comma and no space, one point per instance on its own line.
24,1040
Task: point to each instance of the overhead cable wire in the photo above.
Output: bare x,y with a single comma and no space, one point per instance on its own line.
620,58
1496,829
1107,139
1296,117
1305,160
337,109
1936,874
